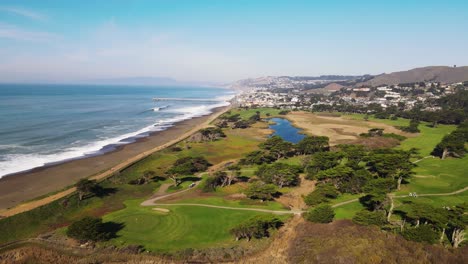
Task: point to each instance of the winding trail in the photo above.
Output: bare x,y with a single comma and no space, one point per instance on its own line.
229,208
101,176
403,196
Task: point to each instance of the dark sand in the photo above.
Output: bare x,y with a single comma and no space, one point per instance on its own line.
25,186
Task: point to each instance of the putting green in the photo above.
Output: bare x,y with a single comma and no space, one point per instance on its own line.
183,227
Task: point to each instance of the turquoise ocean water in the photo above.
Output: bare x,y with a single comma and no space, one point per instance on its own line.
43,124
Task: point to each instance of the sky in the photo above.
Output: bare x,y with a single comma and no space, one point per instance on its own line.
225,40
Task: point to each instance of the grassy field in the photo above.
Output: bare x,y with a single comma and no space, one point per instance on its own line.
347,211
424,141
432,175
245,114
242,203
438,176
183,227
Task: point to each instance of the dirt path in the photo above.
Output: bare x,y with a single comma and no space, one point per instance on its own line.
403,196
40,202
435,194
294,199
277,252
151,203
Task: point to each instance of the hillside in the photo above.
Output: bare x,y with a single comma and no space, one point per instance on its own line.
441,74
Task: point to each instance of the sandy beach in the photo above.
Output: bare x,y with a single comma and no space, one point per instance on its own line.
18,188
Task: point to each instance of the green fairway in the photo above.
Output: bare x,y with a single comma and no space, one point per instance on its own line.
245,114
347,211
425,141
438,176
437,201
183,227
220,201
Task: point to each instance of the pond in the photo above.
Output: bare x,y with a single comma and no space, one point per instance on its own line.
283,128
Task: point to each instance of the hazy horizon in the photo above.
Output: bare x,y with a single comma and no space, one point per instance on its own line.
223,41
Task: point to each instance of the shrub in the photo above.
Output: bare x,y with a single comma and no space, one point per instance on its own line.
321,214
366,218
422,233
262,191
91,229
256,227
321,194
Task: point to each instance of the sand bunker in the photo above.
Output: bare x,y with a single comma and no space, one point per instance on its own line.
163,210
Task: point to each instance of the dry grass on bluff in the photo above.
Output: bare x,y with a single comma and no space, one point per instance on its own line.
344,242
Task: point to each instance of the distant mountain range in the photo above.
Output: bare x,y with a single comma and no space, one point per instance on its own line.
441,74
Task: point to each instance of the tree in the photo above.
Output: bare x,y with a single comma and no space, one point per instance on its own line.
186,166
391,163
336,175
88,229
312,144
256,227
277,147
261,191
255,118
458,220
241,124
412,128
365,217
211,133
280,174
422,233
376,193
323,161
257,157
453,144
148,175
84,187
322,193
354,154
321,214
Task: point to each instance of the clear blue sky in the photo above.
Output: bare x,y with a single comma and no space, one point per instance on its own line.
225,40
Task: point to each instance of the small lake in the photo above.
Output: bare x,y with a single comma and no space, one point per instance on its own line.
283,128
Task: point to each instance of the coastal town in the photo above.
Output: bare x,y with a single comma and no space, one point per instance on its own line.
289,94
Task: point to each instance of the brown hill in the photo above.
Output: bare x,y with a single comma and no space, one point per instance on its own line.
441,74
333,87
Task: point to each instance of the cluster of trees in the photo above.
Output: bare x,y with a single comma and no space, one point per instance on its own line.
352,169
453,144
321,214
272,177
261,191
256,227
93,229
86,187
275,148
186,166
211,134
412,127
222,179
236,121
432,224
279,174
379,132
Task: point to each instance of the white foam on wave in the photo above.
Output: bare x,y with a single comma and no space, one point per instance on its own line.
14,163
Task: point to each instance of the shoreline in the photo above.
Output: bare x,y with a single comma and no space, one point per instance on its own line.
16,189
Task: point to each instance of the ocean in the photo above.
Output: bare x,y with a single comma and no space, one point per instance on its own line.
47,124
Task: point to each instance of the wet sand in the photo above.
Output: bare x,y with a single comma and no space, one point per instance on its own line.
21,187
